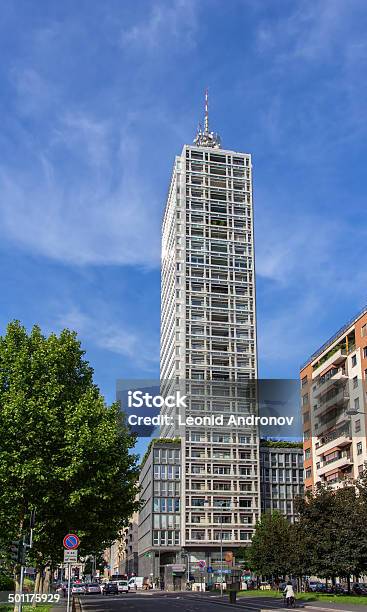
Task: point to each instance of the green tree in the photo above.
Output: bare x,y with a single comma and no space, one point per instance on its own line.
317,530
63,451
271,546
332,529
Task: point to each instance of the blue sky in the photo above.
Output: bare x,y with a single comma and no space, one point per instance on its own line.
96,98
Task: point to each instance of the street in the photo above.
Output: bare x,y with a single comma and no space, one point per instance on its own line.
186,602
189,602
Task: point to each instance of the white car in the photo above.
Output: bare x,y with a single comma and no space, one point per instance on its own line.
122,585
92,588
78,589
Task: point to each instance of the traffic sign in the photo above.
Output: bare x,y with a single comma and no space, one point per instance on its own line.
210,569
70,556
71,541
202,564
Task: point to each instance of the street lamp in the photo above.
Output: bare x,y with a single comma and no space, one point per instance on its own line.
353,412
221,546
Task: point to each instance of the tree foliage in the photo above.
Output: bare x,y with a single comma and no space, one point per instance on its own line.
333,527
328,539
270,552
63,451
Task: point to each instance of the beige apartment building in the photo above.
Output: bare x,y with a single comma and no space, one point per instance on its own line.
333,398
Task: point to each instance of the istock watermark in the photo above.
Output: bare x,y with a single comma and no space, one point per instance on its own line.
271,408
211,421
138,399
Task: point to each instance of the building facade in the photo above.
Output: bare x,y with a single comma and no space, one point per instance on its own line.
281,477
333,398
159,522
208,341
129,554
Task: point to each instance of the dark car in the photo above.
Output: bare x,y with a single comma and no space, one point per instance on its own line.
110,588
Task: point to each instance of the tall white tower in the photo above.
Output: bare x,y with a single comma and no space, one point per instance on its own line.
208,340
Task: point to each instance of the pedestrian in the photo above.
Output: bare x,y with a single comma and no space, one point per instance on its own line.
289,594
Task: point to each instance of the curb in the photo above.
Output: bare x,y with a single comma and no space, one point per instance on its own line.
329,609
76,605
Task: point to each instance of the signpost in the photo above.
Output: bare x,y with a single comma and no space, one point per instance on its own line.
71,543
70,556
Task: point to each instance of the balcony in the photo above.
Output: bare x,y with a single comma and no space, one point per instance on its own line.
335,464
338,397
338,438
324,385
338,357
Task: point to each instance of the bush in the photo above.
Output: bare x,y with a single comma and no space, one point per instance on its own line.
6,583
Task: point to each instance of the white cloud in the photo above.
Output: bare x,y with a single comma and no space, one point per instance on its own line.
167,21
311,30
114,337
81,199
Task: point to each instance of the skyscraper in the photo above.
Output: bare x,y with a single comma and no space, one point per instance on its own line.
208,341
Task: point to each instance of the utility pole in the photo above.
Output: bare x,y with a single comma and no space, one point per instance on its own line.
221,551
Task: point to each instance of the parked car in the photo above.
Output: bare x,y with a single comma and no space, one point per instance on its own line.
110,588
78,589
313,586
92,588
265,586
122,586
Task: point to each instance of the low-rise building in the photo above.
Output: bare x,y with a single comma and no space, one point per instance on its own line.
281,476
129,554
159,522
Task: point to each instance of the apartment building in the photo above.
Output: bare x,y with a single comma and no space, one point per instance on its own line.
281,477
208,341
129,552
333,398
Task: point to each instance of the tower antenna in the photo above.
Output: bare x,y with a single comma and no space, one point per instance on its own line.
206,121
205,138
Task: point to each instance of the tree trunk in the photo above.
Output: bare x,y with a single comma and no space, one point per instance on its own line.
348,583
17,583
46,581
37,585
